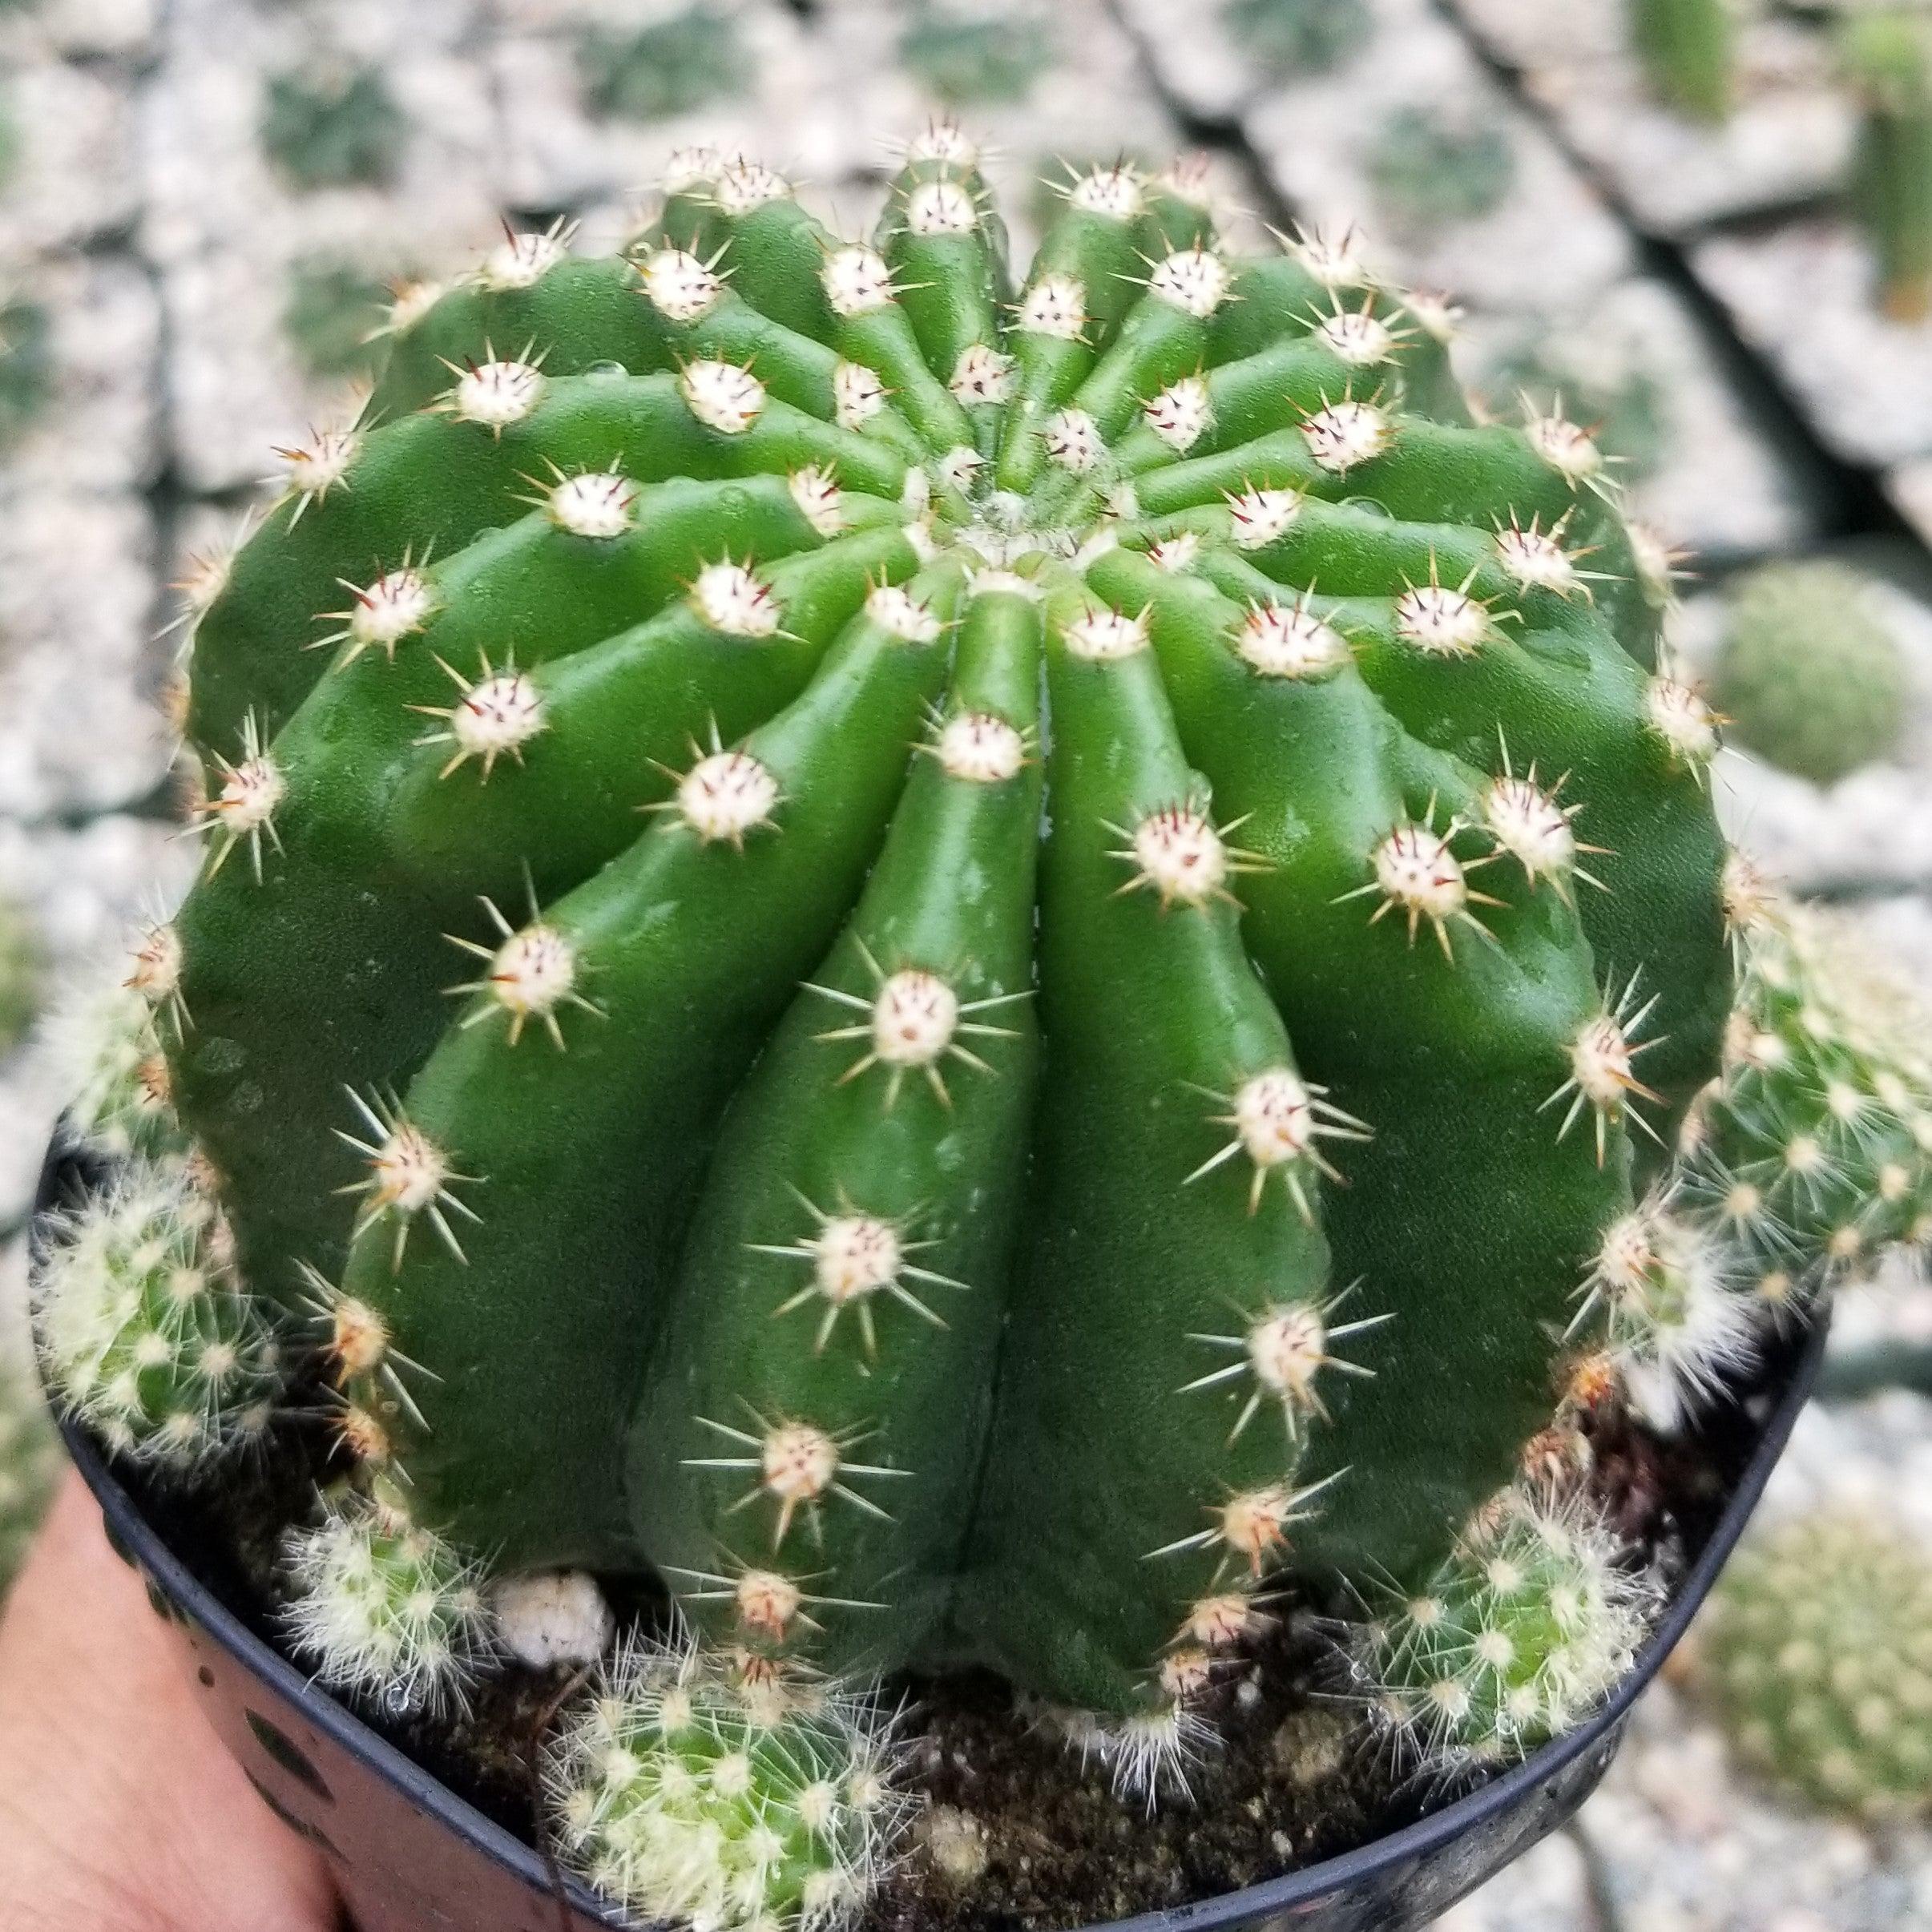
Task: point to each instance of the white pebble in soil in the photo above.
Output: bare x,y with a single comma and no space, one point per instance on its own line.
554,1617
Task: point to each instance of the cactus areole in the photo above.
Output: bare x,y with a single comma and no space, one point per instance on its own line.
968,960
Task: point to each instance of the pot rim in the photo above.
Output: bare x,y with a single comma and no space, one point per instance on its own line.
1305,1886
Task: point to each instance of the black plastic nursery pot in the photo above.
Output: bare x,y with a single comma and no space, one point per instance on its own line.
410,1855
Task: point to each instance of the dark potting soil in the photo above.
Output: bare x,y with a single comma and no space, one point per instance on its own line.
1018,1829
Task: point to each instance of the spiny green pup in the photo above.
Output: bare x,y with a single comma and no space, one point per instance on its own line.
1887,55
703,1794
1812,1152
1688,49
29,1464
1810,675
1816,1650
794,965
1516,1637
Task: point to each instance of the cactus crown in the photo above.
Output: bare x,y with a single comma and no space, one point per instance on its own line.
1811,676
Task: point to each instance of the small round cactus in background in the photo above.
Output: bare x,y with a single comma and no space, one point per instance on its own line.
333,128
29,1464
1435,166
1887,55
1809,674
1689,54
1816,1651
671,67
22,973
27,371
1285,37
976,53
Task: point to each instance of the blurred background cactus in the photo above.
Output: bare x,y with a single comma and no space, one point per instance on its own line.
1689,53
335,126
1816,1652
668,67
1888,56
1285,37
1810,674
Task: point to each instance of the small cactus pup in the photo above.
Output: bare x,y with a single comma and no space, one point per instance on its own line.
699,1792
1811,1154
1816,1652
785,979
1888,57
1809,674
1433,166
1689,52
30,1465
1528,1623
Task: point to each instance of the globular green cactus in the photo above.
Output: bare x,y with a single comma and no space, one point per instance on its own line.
106,1042
333,128
1887,55
671,67
1073,1106
793,975
1688,49
1812,1152
1289,37
1816,1652
384,1606
30,1465
1810,675
715,1794
1433,166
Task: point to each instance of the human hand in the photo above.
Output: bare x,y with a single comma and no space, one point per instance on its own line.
119,1809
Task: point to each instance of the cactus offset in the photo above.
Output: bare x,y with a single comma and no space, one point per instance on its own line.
1688,49
1816,1652
30,1464
1524,1628
1813,1151
1810,676
1887,55
702,1794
